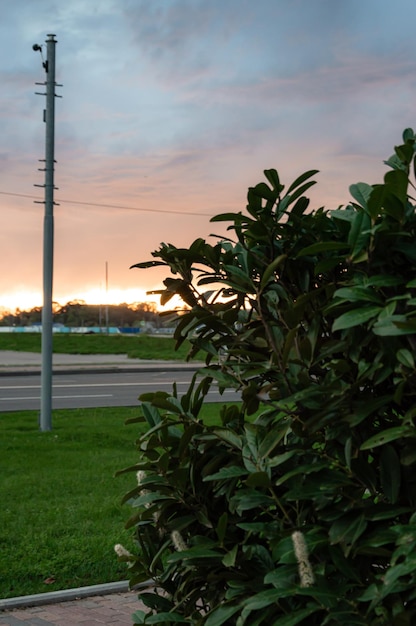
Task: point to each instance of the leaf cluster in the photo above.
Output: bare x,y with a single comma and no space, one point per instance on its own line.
311,317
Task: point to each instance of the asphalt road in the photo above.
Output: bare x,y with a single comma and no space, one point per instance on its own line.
94,389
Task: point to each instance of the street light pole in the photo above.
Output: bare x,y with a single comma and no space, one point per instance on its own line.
48,235
106,295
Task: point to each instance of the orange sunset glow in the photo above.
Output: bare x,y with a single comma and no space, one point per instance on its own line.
29,300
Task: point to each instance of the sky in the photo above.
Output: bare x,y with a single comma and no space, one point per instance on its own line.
171,109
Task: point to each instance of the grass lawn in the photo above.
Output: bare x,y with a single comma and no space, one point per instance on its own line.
136,346
60,510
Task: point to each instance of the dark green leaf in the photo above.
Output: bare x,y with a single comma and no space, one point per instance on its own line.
383,280
221,615
226,473
390,434
155,601
407,327
258,479
358,294
390,473
221,528
138,617
322,246
195,553
245,501
273,178
301,179
269,443
290,198
408,135
384,197
271,268
296,617
261,600
347,529
406,358
163,617
397,182
147,264
230,558
355,317
361,193
359,233
229,437
263,191
391,326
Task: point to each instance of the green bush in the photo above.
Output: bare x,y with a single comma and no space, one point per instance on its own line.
299,506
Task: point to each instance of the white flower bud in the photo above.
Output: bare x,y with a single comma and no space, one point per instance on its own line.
178,541
141,475
306,576
121,550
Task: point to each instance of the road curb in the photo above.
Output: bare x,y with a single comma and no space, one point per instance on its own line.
54,597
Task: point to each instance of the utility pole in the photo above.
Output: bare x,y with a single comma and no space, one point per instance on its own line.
106,295
48,232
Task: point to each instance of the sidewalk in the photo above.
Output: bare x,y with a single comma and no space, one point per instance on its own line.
115,609
24,363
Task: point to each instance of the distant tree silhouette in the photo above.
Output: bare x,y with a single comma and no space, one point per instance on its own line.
79,313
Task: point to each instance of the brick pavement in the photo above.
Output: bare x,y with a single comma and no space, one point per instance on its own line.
114,609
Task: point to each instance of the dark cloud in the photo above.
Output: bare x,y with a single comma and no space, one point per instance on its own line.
186,39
